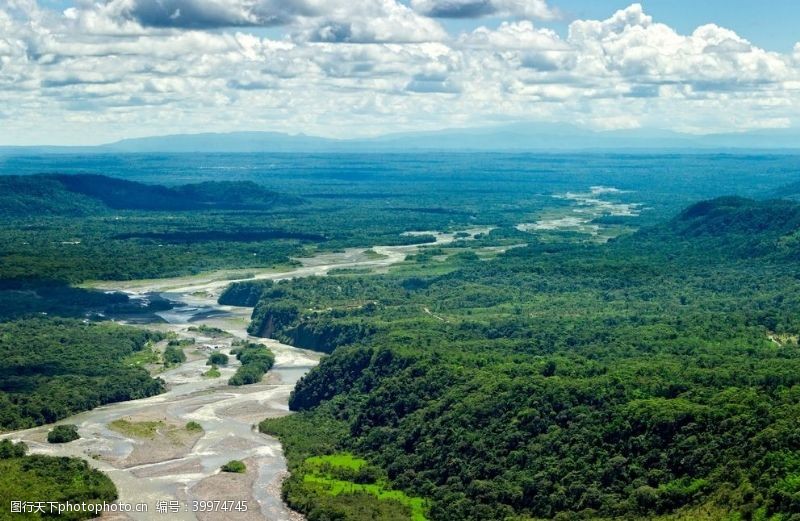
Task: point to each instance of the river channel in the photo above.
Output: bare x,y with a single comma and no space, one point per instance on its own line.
175,465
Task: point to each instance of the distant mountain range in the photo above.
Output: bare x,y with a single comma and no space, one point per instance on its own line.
507,138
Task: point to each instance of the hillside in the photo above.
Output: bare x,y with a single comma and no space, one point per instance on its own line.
71,228
84,194
62,480
733,227
642,378
54,368
737,216
22,196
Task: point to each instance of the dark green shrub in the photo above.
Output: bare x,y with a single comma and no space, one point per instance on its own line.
217,359
63,434
174,355
234,466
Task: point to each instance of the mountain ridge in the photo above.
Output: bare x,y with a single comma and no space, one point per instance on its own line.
81,194
518,137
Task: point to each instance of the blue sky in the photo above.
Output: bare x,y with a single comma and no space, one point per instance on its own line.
771,24
87,72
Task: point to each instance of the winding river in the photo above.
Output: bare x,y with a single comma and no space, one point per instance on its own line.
176,465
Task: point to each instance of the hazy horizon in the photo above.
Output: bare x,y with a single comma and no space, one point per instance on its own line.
520,137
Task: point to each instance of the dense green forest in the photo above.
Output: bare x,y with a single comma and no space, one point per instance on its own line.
653,375
52,368
566,377
20,298
81,194
43,479
79,227
73,228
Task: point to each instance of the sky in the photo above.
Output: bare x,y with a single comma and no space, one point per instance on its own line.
78,72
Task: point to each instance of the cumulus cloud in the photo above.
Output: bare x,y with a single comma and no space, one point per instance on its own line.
480,8
355,21
514,35
432,83
203,13
196,14
630,45
113,69
368,21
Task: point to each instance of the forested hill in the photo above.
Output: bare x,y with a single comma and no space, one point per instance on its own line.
739,216
732,226
656,375
52,368
82,194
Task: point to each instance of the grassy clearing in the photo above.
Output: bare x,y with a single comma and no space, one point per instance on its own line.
351,271
212,332
143,429
373,255
344,460
212,373
146,356
324,473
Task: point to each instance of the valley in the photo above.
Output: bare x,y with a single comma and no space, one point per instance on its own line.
161,467
399,260
379,342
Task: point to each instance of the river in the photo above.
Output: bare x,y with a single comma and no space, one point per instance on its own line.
175,465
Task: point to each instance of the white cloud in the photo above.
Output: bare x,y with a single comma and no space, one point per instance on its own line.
629,45
100,72
517,35
368,21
